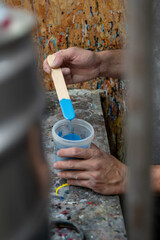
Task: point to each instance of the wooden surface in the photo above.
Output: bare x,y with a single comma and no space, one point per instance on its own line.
99,216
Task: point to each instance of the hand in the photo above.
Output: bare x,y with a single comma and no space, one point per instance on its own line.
97,170
78,65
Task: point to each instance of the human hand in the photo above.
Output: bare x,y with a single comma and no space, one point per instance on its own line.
78,65
97,170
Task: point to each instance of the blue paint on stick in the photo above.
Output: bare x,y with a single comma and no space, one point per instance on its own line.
67,109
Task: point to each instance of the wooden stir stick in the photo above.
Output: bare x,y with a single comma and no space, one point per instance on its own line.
61,89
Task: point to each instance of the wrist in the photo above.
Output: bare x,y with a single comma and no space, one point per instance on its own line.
103,63
111,63
155,178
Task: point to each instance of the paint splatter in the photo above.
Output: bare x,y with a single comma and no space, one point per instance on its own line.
60,39
91,11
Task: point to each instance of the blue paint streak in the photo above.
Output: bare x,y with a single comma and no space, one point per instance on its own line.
111,111
72,136
79,12
91,11
67,109
102,28
55,42
70,127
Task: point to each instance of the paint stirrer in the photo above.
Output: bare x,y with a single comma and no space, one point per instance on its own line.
61,89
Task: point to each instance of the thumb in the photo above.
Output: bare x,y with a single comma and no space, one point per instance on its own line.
93,146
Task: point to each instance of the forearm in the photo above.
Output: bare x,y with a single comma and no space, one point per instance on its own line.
112,63
155,178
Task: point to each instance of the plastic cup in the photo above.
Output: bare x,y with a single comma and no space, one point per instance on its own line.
79,127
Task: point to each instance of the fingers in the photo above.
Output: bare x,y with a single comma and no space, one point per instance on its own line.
66,71
81,183
81,175
46,67
73,164
63,58
76,153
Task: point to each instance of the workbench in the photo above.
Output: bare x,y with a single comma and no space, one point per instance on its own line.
99,216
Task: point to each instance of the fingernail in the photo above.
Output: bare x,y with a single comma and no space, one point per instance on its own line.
59,174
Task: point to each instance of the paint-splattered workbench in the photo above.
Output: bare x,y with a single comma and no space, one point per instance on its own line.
99,216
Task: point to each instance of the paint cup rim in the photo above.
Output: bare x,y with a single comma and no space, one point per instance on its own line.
68,142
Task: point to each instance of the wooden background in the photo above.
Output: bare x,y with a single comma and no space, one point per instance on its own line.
92,24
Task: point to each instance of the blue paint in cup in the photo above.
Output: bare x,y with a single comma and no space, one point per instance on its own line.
72,136
79,129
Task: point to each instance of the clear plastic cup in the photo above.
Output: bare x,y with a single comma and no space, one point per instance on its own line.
79,127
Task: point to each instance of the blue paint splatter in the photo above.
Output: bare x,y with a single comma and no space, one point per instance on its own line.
55,42
123,84
111,111
48,146
79,12
117,33
91,11
102,28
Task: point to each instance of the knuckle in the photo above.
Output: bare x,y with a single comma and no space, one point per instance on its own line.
73,50
59,52
97,153
97,175
75,151
96,165
70,164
